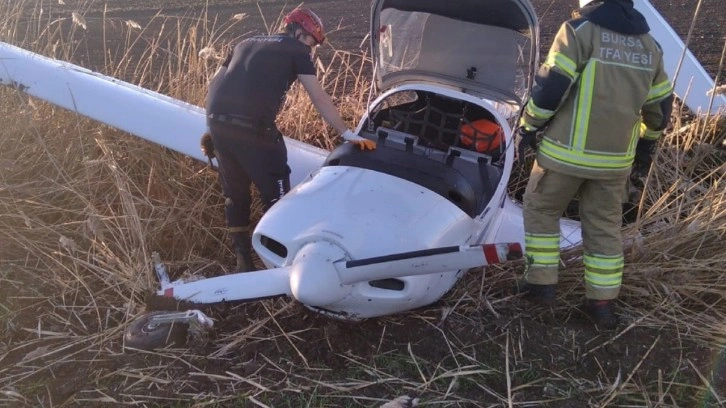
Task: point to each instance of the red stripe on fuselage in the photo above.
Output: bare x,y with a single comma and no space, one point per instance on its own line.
490,253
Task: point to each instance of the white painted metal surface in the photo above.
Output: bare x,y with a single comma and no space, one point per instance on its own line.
366,214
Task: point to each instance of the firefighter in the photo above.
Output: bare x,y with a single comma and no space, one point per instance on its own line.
598,106
243,101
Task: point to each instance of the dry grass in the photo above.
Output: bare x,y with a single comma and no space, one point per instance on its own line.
83,206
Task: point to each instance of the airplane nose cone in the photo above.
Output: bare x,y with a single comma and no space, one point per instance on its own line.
314,281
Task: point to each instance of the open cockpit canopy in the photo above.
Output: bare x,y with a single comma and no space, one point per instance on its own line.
486,48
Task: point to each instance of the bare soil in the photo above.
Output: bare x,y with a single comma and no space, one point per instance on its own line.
348,21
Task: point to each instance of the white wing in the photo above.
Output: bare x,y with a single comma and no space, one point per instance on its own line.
141,112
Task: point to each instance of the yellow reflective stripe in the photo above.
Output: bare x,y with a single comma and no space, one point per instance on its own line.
543,249
635,135
659,91
603,280
604,266
544,260
533,250
542,241
537,112
595,285
604,270
588,160
584,106
646,133
604,263
531,235
563,62
590,255
527,126
651,134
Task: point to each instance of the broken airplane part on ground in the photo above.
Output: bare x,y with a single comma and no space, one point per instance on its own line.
369,233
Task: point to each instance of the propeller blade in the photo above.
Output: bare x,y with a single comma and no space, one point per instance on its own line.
316,279
239,286
426,261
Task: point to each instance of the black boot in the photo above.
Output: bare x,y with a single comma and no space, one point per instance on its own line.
540,294
602,313
243,251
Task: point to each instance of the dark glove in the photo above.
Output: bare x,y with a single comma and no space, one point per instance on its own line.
524,138
643,158
207,145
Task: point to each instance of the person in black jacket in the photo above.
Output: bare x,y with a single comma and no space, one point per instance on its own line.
243,101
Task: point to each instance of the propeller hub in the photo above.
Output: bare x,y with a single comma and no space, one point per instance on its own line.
314,280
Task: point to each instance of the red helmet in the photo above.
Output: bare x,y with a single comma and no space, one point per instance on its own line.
309,21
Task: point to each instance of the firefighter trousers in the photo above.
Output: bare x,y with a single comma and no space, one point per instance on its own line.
546,197
245,156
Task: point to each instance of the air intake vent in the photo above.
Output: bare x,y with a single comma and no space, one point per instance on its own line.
388,284
274,246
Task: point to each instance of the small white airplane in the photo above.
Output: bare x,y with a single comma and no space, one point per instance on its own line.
369,233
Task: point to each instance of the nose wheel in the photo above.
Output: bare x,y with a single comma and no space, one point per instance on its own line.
160,329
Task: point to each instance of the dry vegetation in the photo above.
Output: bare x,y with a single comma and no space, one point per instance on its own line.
82,207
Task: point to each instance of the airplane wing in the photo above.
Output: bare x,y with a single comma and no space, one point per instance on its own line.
150,115
693,82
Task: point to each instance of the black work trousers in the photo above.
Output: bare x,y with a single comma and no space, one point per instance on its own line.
249,155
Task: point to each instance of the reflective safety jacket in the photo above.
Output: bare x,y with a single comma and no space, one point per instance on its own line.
601,87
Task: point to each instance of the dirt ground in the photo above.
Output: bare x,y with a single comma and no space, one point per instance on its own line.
348,20
508,341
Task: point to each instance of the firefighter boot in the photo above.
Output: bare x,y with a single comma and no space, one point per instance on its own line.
243,251
539,294
602,314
